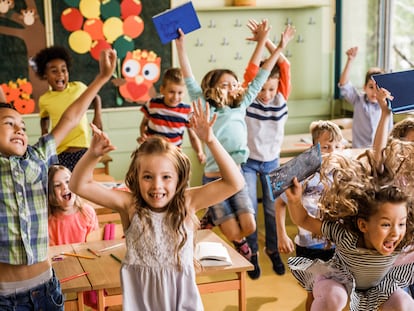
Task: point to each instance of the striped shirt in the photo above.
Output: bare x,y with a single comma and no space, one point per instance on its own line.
23,203
167,121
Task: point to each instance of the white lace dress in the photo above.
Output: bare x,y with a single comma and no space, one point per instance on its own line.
150,279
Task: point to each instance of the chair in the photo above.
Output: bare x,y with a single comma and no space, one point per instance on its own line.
343,123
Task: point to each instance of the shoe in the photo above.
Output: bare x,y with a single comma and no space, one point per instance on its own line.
277,262
206,222
243,249
254,274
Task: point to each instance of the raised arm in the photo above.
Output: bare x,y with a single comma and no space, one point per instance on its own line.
231,178
2,96
197,146
297,211
97,108
75,111
183,59
350,54
284,243
143,130
381,134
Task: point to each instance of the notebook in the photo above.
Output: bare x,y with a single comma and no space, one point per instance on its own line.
167,23
302,166
212,254
400,85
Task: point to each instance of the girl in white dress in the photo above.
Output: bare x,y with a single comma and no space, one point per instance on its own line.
158,214
368,214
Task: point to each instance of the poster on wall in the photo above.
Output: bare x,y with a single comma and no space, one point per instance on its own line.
85,27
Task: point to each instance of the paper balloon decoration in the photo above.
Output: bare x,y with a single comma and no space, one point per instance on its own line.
80,41
133,26
71,19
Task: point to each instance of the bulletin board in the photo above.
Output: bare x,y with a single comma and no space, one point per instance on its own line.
85,27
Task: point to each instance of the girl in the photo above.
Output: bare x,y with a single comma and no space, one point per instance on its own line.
70,220
221,90
158,214
370,219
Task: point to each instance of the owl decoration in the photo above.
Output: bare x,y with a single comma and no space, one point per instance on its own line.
140,70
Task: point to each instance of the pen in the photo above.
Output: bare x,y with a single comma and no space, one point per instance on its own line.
73,277
77,255
110,247
93,252
116,258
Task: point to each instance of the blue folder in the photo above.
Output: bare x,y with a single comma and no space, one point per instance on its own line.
167,23
401,85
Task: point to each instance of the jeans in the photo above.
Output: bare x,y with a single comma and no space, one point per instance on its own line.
251,170
47,296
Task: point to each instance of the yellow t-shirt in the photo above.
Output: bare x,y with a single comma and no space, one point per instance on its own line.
52,104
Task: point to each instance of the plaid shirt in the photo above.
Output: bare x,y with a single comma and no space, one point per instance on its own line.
23,203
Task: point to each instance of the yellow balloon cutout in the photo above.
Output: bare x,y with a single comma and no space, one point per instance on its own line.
80,41
90,8
112,29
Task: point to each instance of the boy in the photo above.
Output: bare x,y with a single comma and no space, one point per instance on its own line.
168,116
27,280
367,112
53,64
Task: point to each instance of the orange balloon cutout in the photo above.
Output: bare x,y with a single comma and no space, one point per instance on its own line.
97,47
90,8
71,19
133,26
130,8
113,29
94,27
80,41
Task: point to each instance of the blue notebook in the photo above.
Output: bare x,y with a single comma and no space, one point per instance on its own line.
302,166
400,84
167,23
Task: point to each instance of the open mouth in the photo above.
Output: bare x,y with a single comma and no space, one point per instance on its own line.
67,196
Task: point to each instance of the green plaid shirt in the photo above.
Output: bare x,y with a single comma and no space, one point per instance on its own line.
23,203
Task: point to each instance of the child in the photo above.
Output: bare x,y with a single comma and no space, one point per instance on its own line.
366,109
265,119
158,214
221,89
168,116
330,139
53,64
2,96
70,220
27,281
366,213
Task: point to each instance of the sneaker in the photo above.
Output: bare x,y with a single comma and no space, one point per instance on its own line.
254,274
277,262
243,249
206,222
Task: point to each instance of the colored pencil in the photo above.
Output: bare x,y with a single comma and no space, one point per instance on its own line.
116,258
93,252
73,277
110,247
77,255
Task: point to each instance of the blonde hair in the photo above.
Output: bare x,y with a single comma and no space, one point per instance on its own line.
176,212
317,128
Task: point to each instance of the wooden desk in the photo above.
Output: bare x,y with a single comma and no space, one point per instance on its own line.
67,267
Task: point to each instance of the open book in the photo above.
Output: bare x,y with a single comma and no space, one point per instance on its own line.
302,166
212,254
167,23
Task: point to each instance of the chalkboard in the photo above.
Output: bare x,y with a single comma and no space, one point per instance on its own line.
84,67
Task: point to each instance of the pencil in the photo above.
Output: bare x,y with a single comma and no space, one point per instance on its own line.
116,258
110,247
93,252
77,255
73,277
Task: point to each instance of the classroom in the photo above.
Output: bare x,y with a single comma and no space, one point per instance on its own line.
335,44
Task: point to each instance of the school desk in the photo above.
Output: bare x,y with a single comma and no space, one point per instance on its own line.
67,267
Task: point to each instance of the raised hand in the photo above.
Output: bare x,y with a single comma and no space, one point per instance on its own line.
100,143
351,53
200,121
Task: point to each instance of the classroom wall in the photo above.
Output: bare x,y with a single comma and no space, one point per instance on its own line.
311,66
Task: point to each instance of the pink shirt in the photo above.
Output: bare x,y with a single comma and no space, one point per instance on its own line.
66,229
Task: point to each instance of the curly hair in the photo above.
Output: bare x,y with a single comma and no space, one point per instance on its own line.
401,129
355,188
176,209
43,57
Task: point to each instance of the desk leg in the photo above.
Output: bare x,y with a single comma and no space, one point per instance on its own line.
242,291
101,300
81,305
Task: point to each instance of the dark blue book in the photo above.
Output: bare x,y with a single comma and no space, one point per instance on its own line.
400,84
167,23
302,166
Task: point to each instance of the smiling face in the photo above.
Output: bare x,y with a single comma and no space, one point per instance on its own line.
371,91
173,93
13,137
268,91
63,197
158,180
229,86
57,74
327,144
384,230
